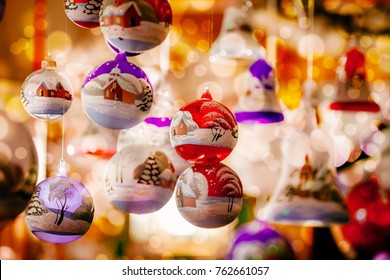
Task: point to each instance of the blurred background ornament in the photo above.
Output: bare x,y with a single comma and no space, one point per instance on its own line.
144,23
18,168
2,9
47,94
259,104
117,94
235,40
209,195
139,179
257,240
61,209
204,131
307,192
83,13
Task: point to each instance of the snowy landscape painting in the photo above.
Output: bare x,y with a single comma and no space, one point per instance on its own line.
117,100
209,198
61,210
84,13
139,179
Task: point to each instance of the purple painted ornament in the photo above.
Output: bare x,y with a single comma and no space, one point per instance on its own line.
256,240
61,209
83,13
117,94
135,25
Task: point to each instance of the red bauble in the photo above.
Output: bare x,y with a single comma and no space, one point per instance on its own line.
369,229
209,196
204,131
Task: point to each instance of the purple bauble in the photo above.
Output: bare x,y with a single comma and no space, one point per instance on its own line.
61,209
256,240
117,94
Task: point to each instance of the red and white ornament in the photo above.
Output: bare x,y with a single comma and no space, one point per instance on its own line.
84,13
204,131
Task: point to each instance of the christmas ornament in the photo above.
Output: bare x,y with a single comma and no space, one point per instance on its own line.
204,131
2,9
259,104
353,93
61,209
135,26
116,50
18,168
46,94
139,179
209,195
117,94
307,192
368,232
257,240
84,13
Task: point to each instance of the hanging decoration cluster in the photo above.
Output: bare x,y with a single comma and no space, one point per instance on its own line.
208,193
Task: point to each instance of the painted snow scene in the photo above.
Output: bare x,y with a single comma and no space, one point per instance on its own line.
308,195
84,13
46,94
150,134
139,179
117,95
135,26
61,210
209,196
204,131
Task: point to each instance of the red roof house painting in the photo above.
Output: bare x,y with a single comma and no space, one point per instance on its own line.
59,91
114,91
130,17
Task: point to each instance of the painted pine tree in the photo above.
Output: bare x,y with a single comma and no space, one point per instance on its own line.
150,173
70,5
93,7
35,207
147,99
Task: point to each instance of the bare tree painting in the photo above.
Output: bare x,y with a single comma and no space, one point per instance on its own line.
58,194
231,185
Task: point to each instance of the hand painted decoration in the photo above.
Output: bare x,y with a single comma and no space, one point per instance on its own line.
46,94
18,168
204,131
257,240
139,179
135,26
83,13
117,94
209,195
61,209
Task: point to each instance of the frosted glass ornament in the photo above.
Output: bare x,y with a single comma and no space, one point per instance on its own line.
209,195
135,26
204,131
61,209
18,168
139,179
117,94
46,94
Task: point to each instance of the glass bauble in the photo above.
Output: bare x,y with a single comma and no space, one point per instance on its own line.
18,168
84,13
257,240
46,94
61,209
139,179
204,131
117,94
135,25
209,196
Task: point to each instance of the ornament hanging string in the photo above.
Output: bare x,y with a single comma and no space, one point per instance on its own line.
40,24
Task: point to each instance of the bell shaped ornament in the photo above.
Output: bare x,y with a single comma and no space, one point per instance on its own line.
353,93
307,192
235,40
259,104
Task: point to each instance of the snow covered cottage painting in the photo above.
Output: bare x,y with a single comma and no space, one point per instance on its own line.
117,100
209,196
135,26
139,179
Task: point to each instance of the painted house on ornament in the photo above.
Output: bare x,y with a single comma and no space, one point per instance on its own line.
126,15
113,90
59,91
185,197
